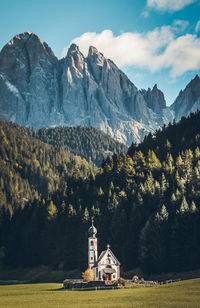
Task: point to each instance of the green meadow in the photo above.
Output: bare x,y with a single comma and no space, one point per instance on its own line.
183,294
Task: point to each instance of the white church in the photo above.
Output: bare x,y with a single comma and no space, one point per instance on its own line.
106,266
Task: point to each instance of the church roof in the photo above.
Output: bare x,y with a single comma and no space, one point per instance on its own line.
103,254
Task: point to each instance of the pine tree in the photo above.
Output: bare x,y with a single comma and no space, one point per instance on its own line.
179,162
52,210
71,210
169,164
193,207
153,161
173,197
100,192
86,215
184,208
163,214
164,184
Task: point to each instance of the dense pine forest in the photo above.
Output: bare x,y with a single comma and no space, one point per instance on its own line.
145,203
86,142
30,168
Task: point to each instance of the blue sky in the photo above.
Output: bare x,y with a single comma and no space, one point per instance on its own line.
152,41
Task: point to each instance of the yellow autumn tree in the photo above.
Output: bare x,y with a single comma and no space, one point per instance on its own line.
52,210
88,275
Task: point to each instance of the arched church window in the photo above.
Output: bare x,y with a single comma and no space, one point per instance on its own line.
92,243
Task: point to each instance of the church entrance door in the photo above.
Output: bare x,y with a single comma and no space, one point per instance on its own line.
108,276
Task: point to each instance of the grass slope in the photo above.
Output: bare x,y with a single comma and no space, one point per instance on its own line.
184,294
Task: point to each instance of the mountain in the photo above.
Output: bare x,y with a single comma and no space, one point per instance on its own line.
29,87
86,142
188,100
38,90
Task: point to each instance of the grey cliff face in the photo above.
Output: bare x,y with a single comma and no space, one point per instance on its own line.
29,87
188,100
38,90
155,99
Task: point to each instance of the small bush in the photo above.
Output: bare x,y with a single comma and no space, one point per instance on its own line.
88,275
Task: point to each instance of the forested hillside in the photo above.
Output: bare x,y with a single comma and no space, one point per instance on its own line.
173,138
30,168
86,142
146,205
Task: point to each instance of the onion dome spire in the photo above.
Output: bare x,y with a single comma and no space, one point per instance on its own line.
92,230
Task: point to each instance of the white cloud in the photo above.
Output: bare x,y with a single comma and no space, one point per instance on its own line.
153,50
168,5
182,54
129,48
197,28
180,25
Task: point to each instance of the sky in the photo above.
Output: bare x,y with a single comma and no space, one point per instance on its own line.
152,41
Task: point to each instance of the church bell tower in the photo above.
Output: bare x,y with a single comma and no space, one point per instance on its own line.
92,246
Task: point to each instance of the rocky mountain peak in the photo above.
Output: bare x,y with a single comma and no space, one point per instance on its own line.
155,88
93,50
24,51
73,49
19,37
75,61
155,99
28,74
28,40
97,64
194,88
188,100
94,56
195,83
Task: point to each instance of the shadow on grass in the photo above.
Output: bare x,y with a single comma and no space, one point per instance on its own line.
11,282
54,290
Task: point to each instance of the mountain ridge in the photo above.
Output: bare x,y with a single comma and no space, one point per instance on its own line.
39,90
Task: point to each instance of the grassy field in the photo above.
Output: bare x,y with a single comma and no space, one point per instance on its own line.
184,294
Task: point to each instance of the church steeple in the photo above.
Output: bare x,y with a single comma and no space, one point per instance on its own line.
92,230
92,246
